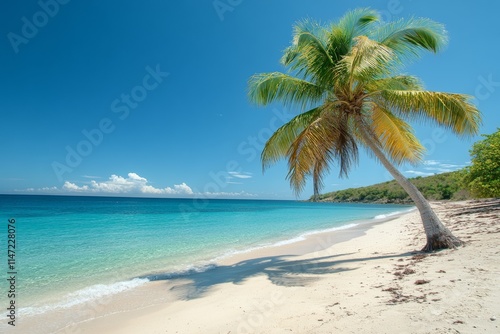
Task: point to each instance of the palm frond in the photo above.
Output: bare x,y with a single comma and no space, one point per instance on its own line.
367,61
304,32
453,111
324,141
400,82
265,88
308,155
318,173
352,24
308,57
277,147
356,22
306,152
339,44
408,37
396,137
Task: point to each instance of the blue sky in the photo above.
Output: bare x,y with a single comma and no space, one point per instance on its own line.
149,98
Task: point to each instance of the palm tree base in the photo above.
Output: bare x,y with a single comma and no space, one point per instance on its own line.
442,241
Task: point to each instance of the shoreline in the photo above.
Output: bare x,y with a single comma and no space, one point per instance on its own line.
304,243
314,241
310,286
354,286
121,272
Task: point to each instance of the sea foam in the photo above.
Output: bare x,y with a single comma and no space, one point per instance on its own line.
395,213
88,295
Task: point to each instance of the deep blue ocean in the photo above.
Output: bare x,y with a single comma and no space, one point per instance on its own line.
70,250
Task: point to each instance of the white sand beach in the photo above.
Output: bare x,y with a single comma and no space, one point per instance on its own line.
376,282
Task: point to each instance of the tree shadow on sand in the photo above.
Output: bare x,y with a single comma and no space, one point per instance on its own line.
280,270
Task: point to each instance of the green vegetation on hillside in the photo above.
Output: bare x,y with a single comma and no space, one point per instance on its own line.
482,178
446,186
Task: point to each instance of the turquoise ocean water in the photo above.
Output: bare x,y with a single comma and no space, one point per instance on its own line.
70,250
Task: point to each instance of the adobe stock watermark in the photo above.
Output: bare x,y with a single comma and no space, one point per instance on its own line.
31,26
486,87
253,145
393,9
121,107
223,6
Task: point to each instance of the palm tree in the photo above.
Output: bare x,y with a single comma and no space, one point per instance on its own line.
345,79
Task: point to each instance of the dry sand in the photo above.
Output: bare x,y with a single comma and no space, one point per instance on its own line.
369,284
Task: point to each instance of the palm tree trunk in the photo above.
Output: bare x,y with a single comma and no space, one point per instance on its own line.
438,236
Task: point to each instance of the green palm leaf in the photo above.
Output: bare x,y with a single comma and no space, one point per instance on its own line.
325,140
277,147
305,33
453,111
411,36
347,73
368,60
352,24
401,82
270,87
308,57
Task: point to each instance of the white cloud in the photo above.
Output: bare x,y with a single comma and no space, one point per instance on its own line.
442,165
431,162
228,194
436,167
453,166
440,170
180,189
73,187
118,184
416,172
240,175
135,177
36,190
132,184
150,190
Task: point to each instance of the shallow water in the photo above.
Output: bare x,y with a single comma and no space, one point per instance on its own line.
71,250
